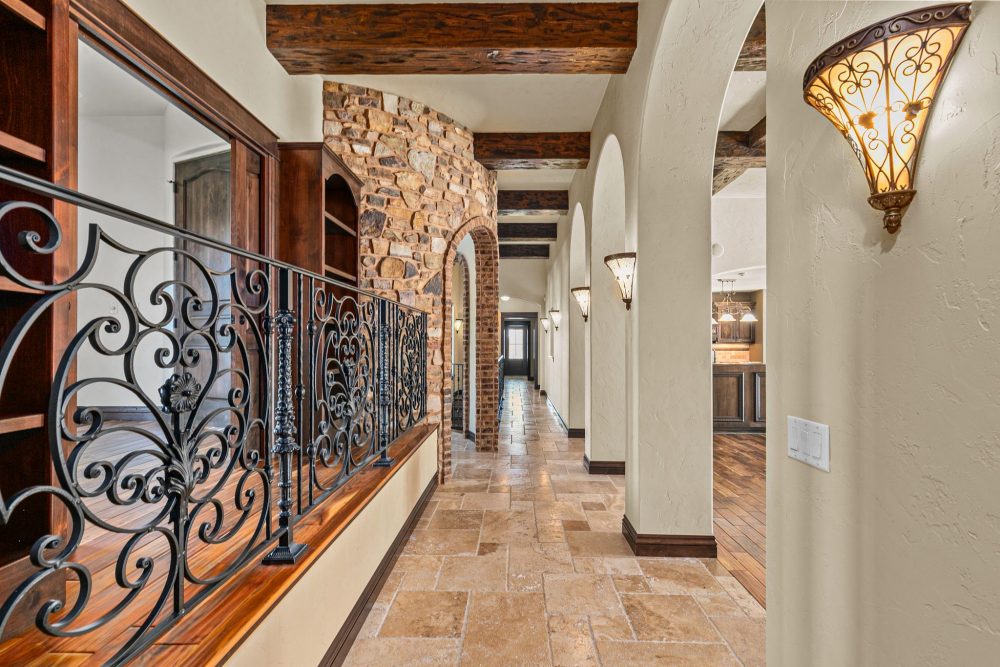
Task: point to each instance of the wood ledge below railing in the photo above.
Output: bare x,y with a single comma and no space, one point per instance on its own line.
214,630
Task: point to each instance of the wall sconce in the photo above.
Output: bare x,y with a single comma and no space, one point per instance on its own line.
582,295
622,266
458,324
877,87
556,317
545,324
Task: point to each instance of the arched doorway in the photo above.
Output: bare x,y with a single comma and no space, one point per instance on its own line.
606,439
484,338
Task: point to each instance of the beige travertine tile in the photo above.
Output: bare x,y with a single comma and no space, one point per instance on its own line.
506,629
419,581
425,614
630,583
747,603
578,594
442,542
540,558
474,573
383,652
374,621
457,519
674,576
600,565
598,544
719,605
608,522
578,486
571,642
486,501
674,618
413,563
745,636
611,626
663,654
509,527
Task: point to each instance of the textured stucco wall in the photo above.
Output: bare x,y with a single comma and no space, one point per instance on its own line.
891,558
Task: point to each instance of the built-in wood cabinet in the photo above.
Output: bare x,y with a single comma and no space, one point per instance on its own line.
739,397
318,211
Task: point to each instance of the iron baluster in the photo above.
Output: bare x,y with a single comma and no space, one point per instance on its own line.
287,551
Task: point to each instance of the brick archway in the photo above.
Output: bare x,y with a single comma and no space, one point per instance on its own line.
487,270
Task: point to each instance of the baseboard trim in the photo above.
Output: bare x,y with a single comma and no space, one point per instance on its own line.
537,386
541,392
576,433
691,546
604,467
469,435
344,640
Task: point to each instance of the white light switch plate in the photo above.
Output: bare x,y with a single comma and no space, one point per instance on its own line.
809,442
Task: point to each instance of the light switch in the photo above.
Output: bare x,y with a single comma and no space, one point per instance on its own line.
809,442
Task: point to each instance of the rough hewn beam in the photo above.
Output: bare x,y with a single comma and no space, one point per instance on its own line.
527,231
735,152
753,55
533,150
524,251
532,202
446,38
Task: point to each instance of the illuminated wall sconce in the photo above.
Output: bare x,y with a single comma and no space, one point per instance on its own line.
545,324
556,318
622,266
458,324
582,295
877,87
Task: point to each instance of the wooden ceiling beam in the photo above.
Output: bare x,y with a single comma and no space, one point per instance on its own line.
524,251
753,55
533,150
461,38
527,231
735,152
532,202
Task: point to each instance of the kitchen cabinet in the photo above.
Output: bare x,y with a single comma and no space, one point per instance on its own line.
735,332
739,397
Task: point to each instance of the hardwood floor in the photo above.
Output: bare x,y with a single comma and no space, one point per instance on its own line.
739,508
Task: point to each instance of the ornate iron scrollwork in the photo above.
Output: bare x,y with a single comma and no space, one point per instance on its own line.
260,393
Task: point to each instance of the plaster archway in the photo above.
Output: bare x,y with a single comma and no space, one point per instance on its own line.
579,331
487,335
606,436
669,444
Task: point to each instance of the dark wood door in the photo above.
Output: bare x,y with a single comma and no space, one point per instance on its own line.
516,348
202,204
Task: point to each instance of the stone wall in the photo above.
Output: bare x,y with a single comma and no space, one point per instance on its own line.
423,192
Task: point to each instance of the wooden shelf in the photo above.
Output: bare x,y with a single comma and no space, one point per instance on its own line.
338,273
21,147
8,285
18,423
341,225
25,12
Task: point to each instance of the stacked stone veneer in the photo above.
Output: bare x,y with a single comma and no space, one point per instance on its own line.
423,192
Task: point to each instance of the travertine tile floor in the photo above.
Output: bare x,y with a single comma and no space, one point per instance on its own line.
519,560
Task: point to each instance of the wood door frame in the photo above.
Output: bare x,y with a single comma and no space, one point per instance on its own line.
532,319
121,35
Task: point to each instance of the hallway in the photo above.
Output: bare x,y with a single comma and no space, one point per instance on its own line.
520,560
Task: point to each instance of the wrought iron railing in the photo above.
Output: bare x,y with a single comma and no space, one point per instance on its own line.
261,389
500,386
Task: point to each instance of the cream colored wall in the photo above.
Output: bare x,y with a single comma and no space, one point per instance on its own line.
292,635
665,113
891,558
227,39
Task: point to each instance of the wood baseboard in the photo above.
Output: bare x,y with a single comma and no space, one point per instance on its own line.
604,467
344,640
469,435
576,432
541,392
691,546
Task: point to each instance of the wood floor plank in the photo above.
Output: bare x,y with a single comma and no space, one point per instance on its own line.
739,492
